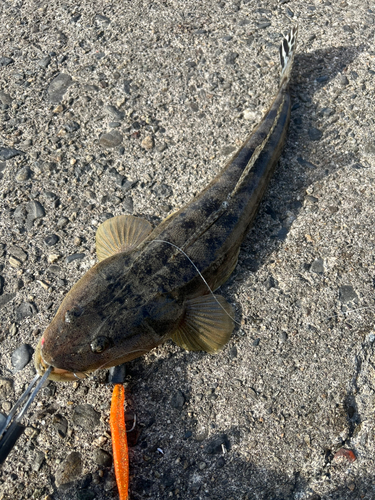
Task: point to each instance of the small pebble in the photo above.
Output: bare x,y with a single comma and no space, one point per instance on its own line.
305,163
21,357
34,210
233,352
24,174
58,87
161,147
53,257
344,80
264,25
147,142
59,109
51,240
283,337
25,310
75,256
231,58
252,393
43,63
5,298
310,200
6,388
289,12
71,127
347,294
8,153
315,134
178,400
114,113
17,252
111,139
270,283
327,111
248,114
70,469
62,222
102,20
15,263
5,61
86,417
6,406
102,457
128,205
61,425
194,106
38,460
5,98
317,266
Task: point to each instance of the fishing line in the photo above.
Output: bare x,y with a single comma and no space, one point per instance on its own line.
349,312
200,274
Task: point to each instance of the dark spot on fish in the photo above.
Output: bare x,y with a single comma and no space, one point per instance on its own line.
73,313
189,224
148,269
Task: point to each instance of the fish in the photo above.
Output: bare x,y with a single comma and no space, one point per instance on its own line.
153,284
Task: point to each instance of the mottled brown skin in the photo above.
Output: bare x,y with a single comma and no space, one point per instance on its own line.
137,300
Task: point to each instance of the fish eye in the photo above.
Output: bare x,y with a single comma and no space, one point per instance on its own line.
100,344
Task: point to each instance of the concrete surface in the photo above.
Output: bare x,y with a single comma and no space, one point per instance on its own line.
178,85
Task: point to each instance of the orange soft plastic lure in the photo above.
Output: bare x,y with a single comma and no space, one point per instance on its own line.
119,441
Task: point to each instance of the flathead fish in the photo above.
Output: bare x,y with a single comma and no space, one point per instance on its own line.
154,284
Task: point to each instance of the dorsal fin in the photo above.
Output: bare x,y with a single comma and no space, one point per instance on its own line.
122,233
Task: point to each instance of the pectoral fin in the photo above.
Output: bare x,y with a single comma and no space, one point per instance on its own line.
122,233
207,324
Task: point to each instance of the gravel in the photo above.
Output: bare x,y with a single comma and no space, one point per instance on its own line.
133,107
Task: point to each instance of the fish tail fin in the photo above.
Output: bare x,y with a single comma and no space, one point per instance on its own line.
287,50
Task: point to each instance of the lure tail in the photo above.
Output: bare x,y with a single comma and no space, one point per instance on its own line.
287,50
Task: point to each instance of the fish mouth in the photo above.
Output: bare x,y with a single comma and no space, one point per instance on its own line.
57,374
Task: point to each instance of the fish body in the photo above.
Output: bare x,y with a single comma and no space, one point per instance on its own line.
151,285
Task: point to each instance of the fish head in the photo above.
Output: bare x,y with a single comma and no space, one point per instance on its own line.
104,321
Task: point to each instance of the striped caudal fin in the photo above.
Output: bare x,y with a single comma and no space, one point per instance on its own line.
287,50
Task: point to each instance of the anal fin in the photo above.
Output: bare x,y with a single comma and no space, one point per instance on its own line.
207,325
224,275
122,233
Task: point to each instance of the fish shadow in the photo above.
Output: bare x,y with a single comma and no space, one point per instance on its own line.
308,156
